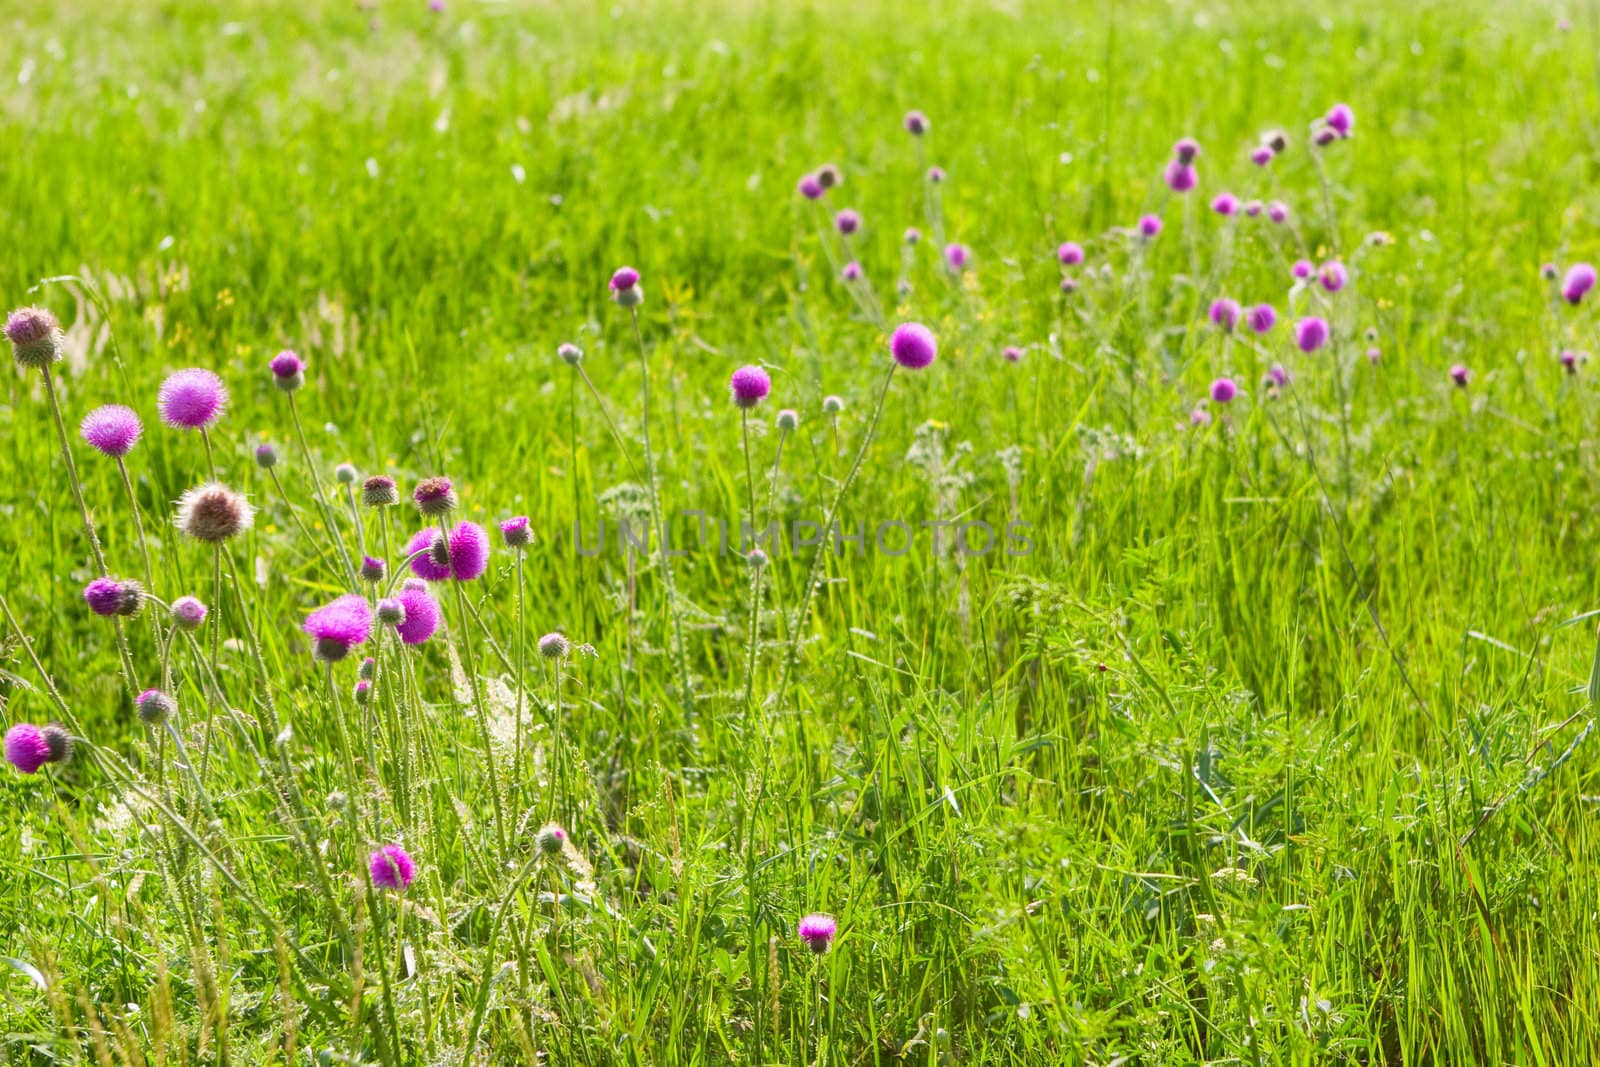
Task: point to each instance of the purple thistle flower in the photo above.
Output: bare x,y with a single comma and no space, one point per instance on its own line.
1263,318
1341,119
155,707
373,569
1461,375
1180,177
1325,136
554,646
435,497
266,456
1199,417
750,386
1278,211
104,596
35,337
189,613
1569,360
936,175
1252,208
422,615
466,558
1549,271
851,271
1303,268
1311,333
288,371
1333,276
847,221
391,868
912,235
516,532
1149,226
1374,354
623,279
810,187
112,430
1225,204
1277,376
917,123
26,748
913,346
1262,156
817,932
1225,313
1223,390
338,627
1579,280
1187,150
1012,354
1070,254
192,399
957,255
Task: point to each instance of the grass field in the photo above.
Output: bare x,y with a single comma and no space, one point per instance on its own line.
1257,737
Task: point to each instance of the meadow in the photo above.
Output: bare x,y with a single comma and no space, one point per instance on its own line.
1124,674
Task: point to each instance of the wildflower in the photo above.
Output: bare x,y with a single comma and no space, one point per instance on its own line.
112,430
554,646
832,405
1277,140
1311,333
368,669
828,176
1333,276
288,371
913,346
155,707
1223,390
1579,280
266,457
1374,354
1225,204
957,255
1252,208
465,557
213,513
917,123
1262,318
189,613
422,615
1277,376
1549,271
373,570
1012,354
35,338
551,840
1341,119
1325,136
1149,226
103,595
1187,150
338,627
379,491
192,399
1069,286
363,692
1199,418
1225,313
1461,375
1262,156
435,497
847,221
936,175
851,271
1070,254
1302,268
625,288
391,868
912,235
26,748
58,740
757,558
1180,177
516,533
1278,211
817,932
1569,360
810,187
570,354
391,611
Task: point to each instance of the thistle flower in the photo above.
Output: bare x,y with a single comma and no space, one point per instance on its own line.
1262,156
155,707
1341,119
1224,313
810,187
192,399
391,611
103,595
338,627
1225,204
1262,318
912,235
1333,276
421,615
189,613
1325,136
266,457
554,646
26,748
112,430
1579,280
817,932
213,513
1278,211
829,176
1252,208
570,354
1374,354
916,123
516,532
625,288
832,405
1461,375
345,474
1180,177
58,740
957,256
1277,140
391,868
1277,376
1302,268
1569,360
936,175
847,221
1069,285
913,346
35,338
435,497
362,694
1186,150
373,570
464,558
1070,254
1199,418
1311,333
1149,226
379,491
368,669
1549,271
851,271
550,841
1012,354
756,559
1223,390
288,371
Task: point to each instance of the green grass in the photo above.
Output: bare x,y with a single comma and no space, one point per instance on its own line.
1255,758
